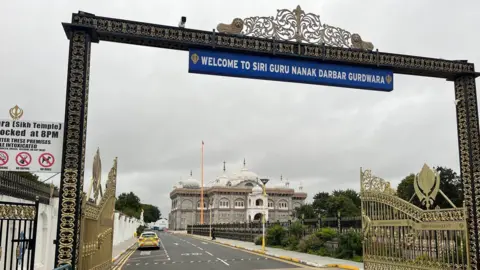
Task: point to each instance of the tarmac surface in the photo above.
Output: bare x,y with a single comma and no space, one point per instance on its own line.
180,252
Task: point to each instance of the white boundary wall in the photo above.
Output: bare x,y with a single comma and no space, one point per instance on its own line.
124,229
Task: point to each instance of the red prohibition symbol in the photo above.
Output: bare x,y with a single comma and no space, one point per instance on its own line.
23,159
46,160
3,158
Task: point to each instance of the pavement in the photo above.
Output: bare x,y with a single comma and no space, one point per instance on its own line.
120,248
183,252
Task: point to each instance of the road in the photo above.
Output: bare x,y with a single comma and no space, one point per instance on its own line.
180,252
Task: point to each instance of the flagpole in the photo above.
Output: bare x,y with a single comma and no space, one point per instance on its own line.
201,192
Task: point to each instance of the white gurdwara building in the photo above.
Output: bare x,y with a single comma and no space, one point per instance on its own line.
235,198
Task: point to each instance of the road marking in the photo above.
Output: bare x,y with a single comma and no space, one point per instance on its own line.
193,245
200,248
143,253
164,262
209,253
125,259
137,264
204,243
191,261
146,263
156,263
223,261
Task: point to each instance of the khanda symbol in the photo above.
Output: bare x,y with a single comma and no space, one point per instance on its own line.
427,185
195,58
16,113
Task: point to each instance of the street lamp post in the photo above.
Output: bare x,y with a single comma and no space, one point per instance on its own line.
264,182
211,205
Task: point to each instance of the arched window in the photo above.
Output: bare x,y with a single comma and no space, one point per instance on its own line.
239,203
259,202
270,204
282,205
204,205
249,185
224,203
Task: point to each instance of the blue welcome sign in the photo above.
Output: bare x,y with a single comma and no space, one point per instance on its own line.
280,69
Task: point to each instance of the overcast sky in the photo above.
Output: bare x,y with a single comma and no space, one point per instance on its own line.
145,108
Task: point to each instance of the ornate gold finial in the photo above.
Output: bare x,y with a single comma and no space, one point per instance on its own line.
295,25
427,185
16,113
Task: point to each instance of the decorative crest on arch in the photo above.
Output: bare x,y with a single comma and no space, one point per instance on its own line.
295,25
427,185
370,182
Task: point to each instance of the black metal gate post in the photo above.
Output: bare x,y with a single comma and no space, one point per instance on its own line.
18,226
469,152
75,137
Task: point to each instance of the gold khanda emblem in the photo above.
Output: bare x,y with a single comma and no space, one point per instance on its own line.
389,79
16,113
195,58
427,186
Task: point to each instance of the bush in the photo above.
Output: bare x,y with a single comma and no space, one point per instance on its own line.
140,230
290,242
350,245
310,243
296,230
326,234
258,240
275,235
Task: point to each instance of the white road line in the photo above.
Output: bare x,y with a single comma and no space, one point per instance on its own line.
200,248
137,264
156,263
164,262
146,263
194,245
223,261
191,261
128,264
209,253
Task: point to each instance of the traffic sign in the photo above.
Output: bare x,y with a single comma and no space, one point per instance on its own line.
46,160
23,159
3,158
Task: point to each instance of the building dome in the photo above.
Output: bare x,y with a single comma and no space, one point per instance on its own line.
191,182
257,190
222,180
243,175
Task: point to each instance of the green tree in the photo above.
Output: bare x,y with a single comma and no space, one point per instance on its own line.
450,185
129,204
307,210
344,205
349,193
320,203
151,213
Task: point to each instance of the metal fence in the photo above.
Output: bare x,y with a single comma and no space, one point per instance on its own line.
19,187
248,231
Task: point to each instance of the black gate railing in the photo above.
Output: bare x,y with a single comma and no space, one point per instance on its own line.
18,229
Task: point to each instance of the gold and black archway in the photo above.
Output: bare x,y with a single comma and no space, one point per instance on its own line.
250,36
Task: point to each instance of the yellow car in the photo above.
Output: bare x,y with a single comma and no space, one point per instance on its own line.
148,240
